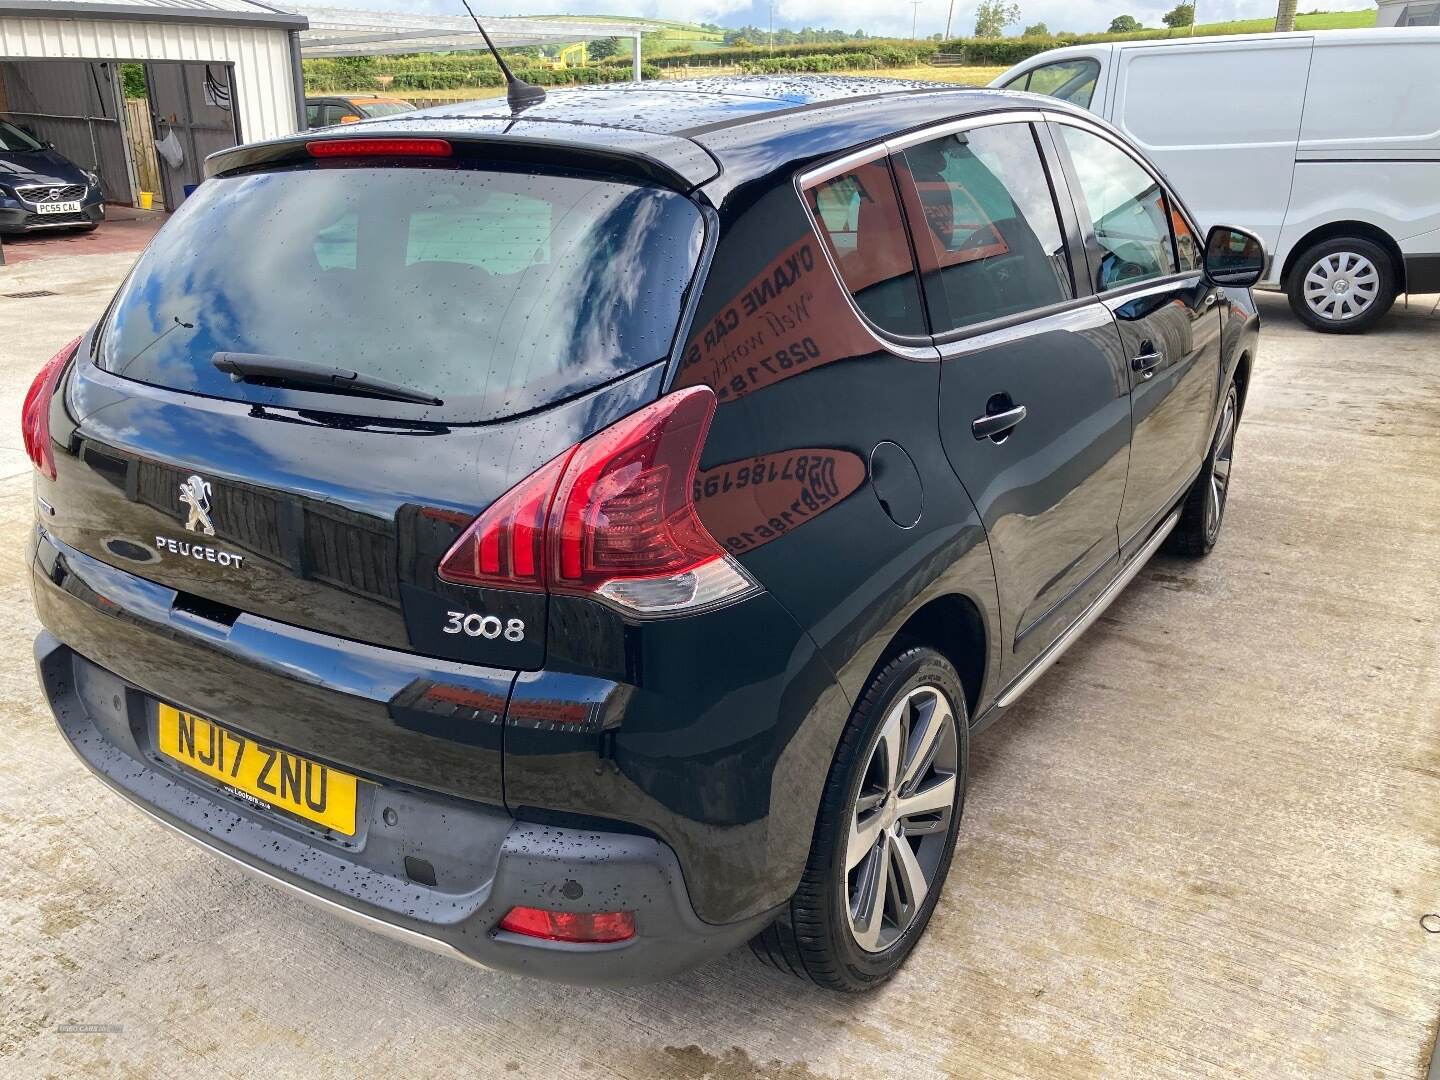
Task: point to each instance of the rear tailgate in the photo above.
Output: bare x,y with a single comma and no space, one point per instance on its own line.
536,304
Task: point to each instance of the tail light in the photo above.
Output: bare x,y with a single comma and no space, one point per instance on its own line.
590,928
613,517
35,413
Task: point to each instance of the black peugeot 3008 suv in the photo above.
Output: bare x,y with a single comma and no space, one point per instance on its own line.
586,539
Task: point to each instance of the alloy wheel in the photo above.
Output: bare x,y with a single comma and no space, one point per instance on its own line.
1220,467
901,818
1341,286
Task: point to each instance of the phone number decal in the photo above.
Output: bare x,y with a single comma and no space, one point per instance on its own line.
751,502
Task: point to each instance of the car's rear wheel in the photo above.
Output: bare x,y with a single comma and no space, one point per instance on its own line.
1203,511
886,830
1342,286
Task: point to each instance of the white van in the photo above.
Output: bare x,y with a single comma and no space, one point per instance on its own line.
1326,144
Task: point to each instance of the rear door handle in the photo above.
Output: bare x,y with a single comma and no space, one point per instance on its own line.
995,425
1146,362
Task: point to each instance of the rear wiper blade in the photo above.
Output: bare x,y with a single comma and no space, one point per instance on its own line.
259,368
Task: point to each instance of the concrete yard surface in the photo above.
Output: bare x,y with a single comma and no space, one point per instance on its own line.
1202,845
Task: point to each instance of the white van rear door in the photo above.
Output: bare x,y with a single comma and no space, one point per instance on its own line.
1221,120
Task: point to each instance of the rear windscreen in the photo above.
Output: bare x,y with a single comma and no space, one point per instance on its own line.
498,291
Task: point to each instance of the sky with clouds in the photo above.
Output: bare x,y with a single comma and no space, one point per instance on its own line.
878,17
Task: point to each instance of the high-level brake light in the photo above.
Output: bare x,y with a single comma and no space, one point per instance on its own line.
338,148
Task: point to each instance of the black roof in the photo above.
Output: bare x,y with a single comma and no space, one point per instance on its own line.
695,129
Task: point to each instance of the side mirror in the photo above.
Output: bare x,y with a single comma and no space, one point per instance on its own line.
1234,258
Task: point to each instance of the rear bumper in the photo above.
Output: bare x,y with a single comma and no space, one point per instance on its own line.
484,861
426,735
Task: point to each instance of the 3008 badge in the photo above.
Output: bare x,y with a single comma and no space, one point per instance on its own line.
489,627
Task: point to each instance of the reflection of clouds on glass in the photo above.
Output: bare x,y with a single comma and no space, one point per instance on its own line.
511,288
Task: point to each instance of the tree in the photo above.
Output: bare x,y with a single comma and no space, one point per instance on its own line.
603,48
1039,29
992,16
1124,24
1182,14
1285,17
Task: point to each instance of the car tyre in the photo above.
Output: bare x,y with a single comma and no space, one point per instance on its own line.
860,908
1344,285
1203,511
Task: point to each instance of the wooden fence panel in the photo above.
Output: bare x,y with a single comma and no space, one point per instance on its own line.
141,137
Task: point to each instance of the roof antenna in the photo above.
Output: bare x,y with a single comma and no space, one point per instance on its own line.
517,91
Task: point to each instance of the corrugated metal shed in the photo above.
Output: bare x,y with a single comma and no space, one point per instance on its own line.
260,42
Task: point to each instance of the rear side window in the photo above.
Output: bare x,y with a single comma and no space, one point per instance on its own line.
987,218
858,214
498,291
1068,80
1127,208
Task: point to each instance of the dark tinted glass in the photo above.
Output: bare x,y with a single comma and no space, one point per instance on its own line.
15,140
1068,80
859,217
497,291
1127,207
990,223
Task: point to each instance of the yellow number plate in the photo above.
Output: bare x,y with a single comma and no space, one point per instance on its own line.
305,788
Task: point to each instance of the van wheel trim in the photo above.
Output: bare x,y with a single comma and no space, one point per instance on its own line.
901,818
1341,285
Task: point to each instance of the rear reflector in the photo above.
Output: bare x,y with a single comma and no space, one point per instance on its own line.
328,148
613,517
592,928
35,413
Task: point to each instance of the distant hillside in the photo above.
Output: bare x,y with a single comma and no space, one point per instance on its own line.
672,37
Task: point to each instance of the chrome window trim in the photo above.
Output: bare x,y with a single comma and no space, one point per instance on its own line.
1123,294
1078,314
839,166
970,123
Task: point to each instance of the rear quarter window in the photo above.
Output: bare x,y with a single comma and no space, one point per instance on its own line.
497,290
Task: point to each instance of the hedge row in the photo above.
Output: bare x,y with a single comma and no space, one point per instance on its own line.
455,80
901,53
821,62
891,53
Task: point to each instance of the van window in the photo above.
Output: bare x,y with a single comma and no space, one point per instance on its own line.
988,221
1068,80
499,290
859,217
1127,207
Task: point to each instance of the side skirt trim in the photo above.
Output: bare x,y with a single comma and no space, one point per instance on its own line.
1057,648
